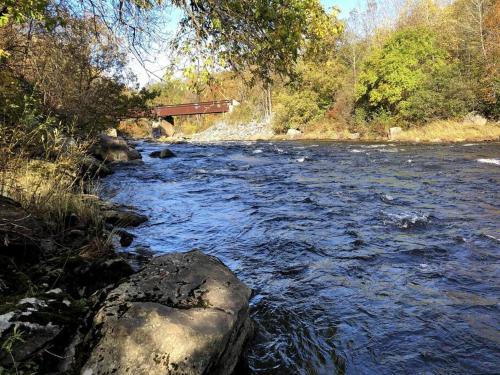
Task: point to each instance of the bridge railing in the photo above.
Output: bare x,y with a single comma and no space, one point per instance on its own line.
216,106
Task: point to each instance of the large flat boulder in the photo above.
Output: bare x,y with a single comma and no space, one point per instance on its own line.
184,313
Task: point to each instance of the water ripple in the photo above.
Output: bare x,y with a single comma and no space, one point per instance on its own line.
363,258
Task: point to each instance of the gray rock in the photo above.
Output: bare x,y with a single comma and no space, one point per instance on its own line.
166,129
394,132
475,119
113,149
35,335
162,128
293,132
184,313
122,217
163,154
91,167
354,136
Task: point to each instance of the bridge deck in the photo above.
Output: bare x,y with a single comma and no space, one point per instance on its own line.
202,108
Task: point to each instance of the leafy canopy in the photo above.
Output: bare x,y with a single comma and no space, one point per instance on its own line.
260,36
394,73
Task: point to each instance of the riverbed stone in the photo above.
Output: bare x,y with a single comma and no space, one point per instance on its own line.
162,128
163,154
184,313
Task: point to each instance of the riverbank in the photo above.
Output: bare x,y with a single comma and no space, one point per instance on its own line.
57,255
474,129
59,261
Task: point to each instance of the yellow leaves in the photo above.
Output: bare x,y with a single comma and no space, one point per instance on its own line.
216,23
4,19
4,54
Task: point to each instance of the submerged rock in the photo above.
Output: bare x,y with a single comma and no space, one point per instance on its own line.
163,154
184,313
126,238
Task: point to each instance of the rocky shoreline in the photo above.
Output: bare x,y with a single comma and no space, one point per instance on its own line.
71,307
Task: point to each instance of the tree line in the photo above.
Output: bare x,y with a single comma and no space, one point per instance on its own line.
63,64
391,63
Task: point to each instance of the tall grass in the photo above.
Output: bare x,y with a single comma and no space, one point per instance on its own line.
51,187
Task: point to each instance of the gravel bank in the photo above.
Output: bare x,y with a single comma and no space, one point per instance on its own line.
240,132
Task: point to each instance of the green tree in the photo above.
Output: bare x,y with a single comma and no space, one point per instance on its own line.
405,77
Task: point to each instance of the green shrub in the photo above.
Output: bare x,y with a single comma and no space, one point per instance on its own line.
293,110
413,79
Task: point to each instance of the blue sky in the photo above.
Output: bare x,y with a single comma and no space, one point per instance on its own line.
345,5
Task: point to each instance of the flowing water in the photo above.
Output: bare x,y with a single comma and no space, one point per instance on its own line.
363,258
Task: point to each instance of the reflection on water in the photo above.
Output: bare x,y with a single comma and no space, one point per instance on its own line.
364,259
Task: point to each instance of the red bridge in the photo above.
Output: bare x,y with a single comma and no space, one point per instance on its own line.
201,108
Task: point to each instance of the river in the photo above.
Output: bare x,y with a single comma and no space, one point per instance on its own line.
363,258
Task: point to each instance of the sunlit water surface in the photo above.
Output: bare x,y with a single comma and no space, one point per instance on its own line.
363,259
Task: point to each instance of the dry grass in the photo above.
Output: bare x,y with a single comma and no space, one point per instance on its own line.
51,190
451,131
437,131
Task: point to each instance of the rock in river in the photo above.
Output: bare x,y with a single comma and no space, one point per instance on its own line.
163,154
184,313
114,149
